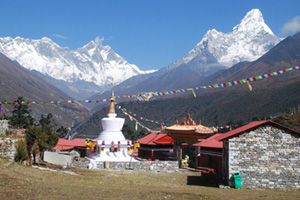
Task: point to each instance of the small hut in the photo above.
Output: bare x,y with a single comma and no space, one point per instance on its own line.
209,155
156,146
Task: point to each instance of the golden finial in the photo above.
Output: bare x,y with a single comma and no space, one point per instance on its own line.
188,117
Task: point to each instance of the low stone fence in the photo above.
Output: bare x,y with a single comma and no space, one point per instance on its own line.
143,165
57,158
7,148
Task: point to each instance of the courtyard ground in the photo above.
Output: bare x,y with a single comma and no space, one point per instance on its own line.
22,182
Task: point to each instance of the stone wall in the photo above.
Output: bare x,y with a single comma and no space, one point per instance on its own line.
7,148
3,126
266,157
143,165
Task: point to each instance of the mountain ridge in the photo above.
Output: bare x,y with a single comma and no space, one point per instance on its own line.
206,58
16,81
93,63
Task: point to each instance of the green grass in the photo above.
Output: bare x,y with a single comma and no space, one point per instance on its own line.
22,182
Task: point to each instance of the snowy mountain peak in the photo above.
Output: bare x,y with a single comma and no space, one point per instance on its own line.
253,21
254,16
92,44
247,42
92,63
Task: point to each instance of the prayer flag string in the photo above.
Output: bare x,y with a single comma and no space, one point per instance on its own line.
148,95
137,116
133,116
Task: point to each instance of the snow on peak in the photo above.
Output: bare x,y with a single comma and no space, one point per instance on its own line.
248,41
92,62
253,21
45,39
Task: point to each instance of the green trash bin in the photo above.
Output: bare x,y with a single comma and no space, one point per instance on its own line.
237,180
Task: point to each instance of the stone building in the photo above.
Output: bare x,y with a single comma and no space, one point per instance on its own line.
266,154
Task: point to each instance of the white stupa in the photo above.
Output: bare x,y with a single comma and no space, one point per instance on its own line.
111,144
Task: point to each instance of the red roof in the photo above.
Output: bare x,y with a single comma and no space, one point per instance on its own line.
155,139
64,144
211,142
216,141
252,126
21,131
166,140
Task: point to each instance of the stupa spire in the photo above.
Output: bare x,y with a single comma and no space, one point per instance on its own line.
112,104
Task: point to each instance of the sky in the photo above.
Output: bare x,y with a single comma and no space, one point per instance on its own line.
148,33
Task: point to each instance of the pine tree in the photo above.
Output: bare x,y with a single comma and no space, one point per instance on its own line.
33,135
41,138
50,137
21,117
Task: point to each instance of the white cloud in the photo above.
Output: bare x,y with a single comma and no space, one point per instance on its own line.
291,26
99,40
59,36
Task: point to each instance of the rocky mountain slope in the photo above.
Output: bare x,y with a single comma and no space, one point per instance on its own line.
16,81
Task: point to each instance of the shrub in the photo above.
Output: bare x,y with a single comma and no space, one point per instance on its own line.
21,151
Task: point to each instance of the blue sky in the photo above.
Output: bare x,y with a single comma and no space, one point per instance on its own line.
150,34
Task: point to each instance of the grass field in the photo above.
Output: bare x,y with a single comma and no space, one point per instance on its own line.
23,182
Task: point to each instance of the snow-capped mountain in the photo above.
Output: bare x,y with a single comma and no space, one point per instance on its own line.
92,63
100,65
248,41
